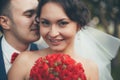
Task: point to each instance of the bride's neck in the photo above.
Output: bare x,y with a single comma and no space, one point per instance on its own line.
69,51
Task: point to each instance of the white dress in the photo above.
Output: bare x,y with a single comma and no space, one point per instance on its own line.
98,46
95,45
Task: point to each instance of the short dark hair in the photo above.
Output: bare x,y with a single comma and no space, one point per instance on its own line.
4,9
76,10
4,6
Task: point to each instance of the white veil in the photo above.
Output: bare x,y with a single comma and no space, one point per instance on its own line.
98,46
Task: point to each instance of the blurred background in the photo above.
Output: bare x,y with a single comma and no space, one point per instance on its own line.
105,15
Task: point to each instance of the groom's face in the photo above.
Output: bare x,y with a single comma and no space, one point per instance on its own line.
22,25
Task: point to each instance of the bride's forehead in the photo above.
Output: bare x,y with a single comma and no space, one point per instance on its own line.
53,13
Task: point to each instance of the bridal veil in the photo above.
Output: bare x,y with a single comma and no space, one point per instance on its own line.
99,47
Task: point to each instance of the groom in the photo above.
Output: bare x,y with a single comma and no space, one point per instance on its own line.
18,28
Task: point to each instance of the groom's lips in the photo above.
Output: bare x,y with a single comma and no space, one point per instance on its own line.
35,28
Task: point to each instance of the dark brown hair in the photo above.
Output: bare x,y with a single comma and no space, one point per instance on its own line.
76,10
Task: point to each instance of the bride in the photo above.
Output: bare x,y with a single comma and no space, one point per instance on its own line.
96,45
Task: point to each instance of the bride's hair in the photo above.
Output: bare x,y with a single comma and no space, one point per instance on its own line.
76,10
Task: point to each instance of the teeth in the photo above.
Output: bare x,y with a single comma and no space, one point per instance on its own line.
52,40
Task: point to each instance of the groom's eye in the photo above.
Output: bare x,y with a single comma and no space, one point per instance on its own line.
29,13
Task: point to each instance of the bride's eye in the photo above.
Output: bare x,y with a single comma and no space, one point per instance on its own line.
45,23
63,23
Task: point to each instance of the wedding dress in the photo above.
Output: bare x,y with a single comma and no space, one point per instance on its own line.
99,47
95,45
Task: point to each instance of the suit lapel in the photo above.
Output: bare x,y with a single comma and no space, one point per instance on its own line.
3,75
33,47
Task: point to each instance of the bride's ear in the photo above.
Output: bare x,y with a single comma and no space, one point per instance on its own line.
78,27
4,22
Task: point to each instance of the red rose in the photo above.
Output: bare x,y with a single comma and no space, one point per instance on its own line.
57,67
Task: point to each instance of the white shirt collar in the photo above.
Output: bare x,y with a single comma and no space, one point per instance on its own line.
8,50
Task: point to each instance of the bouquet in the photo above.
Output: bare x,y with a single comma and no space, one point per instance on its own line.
57,67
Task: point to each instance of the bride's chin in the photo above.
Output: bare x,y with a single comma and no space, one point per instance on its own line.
57,50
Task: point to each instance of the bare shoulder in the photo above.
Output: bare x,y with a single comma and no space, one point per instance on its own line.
31,56
92,64
88,63
91,69
22,65
24,56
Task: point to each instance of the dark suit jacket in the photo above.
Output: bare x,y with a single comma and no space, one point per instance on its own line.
3,75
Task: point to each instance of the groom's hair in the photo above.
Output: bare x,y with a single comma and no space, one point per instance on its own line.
5,9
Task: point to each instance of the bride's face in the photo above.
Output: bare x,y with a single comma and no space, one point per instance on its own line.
56,28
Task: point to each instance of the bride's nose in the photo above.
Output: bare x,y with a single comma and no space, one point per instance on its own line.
54,31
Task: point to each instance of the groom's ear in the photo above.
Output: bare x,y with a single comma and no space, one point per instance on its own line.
4,22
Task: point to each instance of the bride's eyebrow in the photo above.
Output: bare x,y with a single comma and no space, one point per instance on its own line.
59,20
64,19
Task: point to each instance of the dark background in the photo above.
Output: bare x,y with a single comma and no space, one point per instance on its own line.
105,15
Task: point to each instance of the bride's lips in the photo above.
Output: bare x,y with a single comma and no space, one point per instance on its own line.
55,41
